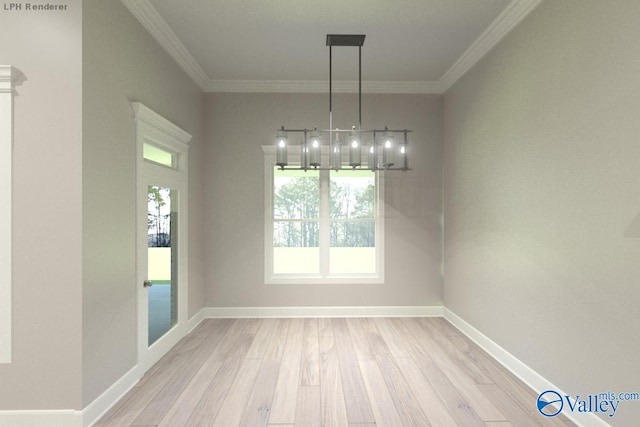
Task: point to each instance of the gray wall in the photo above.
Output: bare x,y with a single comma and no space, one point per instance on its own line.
122,63
542,196
47,282
238,124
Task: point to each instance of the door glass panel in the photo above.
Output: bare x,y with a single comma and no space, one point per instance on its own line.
162,260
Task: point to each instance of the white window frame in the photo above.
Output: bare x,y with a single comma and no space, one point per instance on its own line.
271,278
10,77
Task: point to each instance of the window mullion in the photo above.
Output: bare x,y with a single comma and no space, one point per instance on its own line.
325,239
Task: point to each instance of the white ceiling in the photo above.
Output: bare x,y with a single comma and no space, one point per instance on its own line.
279,45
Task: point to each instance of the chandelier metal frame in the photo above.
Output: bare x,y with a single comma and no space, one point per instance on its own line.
384,153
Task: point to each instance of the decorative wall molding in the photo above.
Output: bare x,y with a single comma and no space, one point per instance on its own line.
264,312
321,86
150,19
53,418
10,77
144,114
510,17
530,377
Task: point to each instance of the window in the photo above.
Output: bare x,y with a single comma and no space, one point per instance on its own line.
322,226
159,155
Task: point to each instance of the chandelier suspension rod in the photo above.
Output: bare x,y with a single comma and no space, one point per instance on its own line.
330,97
360,87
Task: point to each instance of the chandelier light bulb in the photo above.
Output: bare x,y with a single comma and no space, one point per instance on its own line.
387,153
281,149
355,153
314,152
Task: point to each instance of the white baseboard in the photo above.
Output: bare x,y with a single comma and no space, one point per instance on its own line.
109,397
106,400
530,377
195,320
53,418
361,311
93,412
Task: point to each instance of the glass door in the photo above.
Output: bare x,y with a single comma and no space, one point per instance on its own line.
162,261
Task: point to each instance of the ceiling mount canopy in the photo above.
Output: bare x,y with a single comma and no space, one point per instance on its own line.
385,149
345,39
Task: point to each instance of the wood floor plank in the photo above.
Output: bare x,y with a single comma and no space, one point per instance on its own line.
155,411
236,401
393,339
408,407
509,407
258,407
524,397
310,362
262,337
482,406
333,410
453,400
429,400
382,404
163,363
356,372
211,402
355,394
324,327
228,341
308,407
466,363
183,407
510,384
203,329
252,325
218,330
133,403
283,410
356,326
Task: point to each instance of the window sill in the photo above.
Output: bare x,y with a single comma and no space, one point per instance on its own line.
317,280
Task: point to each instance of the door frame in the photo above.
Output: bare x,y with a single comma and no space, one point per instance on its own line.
151,128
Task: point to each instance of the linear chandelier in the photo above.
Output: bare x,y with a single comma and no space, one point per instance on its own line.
385,149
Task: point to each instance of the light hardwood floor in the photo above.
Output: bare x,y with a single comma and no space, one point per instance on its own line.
328,372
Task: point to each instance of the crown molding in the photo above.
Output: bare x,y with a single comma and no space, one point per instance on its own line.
150,19
10,77
511,16
321,86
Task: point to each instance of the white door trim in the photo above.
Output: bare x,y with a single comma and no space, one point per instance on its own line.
151,128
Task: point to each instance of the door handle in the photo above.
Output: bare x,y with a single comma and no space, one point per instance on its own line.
147,283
